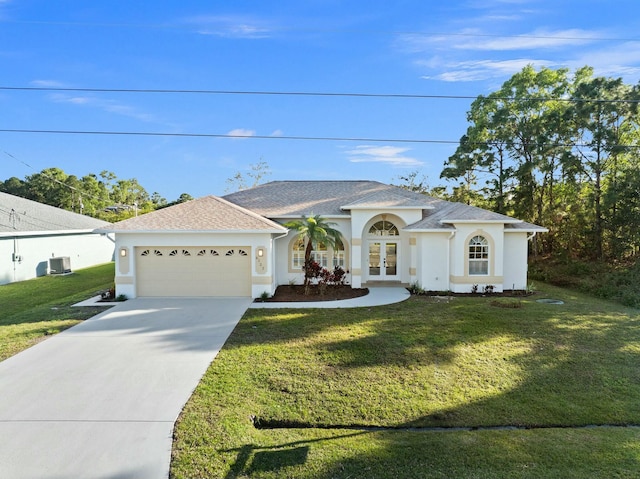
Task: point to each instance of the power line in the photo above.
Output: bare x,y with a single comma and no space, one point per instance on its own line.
299,138
309,94
227,135
80,192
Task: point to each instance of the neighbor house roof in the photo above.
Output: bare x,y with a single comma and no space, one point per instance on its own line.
286,199
209,213
21,216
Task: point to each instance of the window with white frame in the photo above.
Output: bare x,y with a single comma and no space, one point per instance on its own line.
320,255
478,256
383,228
297,254
339,256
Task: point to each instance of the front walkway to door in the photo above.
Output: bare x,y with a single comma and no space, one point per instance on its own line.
100,399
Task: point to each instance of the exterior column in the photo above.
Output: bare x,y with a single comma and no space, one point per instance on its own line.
356,262
413,259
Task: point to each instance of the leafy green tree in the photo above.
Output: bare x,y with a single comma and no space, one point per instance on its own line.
13,186
314,230
602,126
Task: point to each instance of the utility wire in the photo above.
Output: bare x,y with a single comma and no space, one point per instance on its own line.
311,94
80,192
300,138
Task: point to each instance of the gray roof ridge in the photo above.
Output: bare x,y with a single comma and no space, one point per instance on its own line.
378,194
246,211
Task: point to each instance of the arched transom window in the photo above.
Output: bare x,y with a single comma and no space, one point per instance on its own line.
383,228
478,255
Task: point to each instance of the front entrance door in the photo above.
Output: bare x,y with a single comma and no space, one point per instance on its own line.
383,260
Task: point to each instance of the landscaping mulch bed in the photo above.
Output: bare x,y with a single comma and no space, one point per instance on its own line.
295,293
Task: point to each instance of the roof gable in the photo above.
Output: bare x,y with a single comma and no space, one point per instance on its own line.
27,216
209,213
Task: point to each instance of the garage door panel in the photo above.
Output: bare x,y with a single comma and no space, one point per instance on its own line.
193,271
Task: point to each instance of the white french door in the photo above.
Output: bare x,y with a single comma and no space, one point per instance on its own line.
383,260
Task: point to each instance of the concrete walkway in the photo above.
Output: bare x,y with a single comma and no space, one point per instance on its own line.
378,296
100,399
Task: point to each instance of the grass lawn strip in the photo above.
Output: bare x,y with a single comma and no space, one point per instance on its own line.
35,309
421,364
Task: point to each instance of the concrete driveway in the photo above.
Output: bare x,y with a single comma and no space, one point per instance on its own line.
100,399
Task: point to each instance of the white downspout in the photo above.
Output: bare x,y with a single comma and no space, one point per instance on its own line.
453,233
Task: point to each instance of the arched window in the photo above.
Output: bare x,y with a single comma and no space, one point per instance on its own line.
297,254
478,256
383,228
320,255
339,256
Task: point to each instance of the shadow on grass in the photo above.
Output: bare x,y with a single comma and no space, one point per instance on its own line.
253,458
577,364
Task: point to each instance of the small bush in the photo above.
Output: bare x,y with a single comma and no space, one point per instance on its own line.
415,288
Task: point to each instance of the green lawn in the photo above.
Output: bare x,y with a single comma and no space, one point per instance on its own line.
360,386
32,310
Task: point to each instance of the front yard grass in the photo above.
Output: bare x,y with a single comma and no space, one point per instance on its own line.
34,309
356,393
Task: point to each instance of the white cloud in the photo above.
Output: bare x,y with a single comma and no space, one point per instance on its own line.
483,69
392,155
47,83
231,26
475,39
110,106
241,133
277,132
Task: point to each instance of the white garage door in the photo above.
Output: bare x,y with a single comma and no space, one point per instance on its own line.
193,271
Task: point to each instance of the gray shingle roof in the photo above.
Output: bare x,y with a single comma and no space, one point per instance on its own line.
209,213
445,213
296,198
27,216
389,200
281,199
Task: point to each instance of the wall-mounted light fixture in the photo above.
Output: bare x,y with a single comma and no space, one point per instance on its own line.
260,252
123,252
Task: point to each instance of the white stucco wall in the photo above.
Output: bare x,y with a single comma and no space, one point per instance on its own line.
461,281
433,260
516,253
125,267
83,250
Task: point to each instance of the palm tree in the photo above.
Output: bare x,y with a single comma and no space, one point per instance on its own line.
314,230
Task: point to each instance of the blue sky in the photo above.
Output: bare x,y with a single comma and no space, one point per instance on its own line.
457,48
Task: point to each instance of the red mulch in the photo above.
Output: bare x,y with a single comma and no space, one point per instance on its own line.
295,293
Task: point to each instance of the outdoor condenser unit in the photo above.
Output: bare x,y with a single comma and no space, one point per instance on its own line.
60,265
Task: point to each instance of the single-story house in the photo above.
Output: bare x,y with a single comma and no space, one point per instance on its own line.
32,233
236,245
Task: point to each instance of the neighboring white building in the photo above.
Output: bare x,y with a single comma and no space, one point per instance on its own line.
31,233
237,246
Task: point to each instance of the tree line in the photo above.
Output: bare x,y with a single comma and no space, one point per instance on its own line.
102,196
560,150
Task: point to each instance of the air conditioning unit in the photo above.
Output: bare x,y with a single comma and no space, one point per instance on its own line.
60,265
